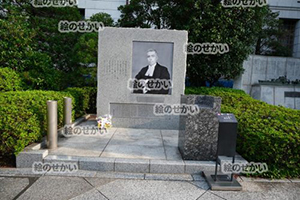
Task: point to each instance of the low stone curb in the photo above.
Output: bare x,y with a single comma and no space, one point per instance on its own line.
134,165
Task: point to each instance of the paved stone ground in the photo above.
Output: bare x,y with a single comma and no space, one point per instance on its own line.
121,143
23,184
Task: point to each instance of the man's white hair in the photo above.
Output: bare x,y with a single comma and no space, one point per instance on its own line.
152,50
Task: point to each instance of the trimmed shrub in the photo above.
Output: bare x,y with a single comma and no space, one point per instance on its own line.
85,100
24,118
9,80
24,114
266,133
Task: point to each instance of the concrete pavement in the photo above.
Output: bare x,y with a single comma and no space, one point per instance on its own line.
24,184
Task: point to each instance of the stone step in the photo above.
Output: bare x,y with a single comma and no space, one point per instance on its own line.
134,165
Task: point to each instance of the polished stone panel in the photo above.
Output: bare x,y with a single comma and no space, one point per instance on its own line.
198,133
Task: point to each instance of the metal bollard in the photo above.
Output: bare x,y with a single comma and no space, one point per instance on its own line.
52,124
67,110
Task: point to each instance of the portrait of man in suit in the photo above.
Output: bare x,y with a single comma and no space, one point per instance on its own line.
154,73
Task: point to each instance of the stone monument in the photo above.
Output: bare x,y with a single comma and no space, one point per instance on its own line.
198,134
126,54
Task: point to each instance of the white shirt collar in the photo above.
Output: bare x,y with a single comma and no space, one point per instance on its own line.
150,70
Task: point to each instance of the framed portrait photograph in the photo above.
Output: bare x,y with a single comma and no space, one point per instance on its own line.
152,67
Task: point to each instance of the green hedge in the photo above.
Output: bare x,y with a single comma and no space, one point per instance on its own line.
266,133
10,80
24,115
86,99
23,118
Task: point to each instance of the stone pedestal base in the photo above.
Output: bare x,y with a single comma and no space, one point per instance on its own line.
198,134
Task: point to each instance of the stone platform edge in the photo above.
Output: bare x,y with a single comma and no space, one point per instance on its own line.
133,165
35,152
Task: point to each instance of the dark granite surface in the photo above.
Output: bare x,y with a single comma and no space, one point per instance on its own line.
198,133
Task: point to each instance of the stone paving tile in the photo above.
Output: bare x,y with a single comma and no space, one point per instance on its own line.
192,167
209,196
238,195
138,133
263,179
172,153
169,177
91,141
55,188
140,141
90,144
149,189
10,187
26,158
92,194
167,166
170,133
120,175
255,186
79,173
263,190
63,158
170,141
132,165
97,182
201,184
137,152
288,187
78,149
295,180
27,172
97,163
198,177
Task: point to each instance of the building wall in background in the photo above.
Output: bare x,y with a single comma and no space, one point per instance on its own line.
95,6
289,9
267,68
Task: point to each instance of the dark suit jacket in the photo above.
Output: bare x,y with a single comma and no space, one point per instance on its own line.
160,72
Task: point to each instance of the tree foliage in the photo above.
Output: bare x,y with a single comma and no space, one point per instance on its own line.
105,18
86,50
206,21
32,45
269,38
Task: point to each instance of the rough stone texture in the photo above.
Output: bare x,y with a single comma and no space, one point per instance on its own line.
150,189
158,122
210,196
115,69
132,165
199,166
198,133
20,172
266,68
27,157
169,177
198,177
64,187
78,173
98,164
11,187
119,175
92,194
166,166
134,152
61,159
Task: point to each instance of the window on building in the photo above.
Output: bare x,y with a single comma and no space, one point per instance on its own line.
82,12
288,39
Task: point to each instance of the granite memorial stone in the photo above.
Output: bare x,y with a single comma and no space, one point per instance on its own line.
127,54
198,134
